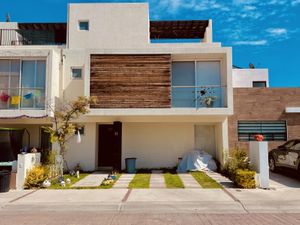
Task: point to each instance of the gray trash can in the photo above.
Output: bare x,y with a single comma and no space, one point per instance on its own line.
4,180
130,165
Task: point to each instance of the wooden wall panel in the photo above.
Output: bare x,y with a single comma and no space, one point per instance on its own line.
131,81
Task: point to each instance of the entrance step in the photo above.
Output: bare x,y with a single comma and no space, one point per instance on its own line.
124,181
189,181
157,179
92,180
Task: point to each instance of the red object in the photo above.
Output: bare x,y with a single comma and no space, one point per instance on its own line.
4,97
259,137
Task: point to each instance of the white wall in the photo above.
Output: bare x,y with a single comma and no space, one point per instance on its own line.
205,138
245,77
156,144
110,25
83,153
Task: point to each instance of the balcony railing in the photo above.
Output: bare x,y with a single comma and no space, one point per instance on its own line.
22,98
210,96
29,37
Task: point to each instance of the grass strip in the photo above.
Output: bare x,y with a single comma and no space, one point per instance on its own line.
56,185
173,181
140,180
204,180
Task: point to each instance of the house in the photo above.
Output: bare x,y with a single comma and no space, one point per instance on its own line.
259,109
157,98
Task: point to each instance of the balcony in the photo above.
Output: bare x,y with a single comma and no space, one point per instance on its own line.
27,98
209,96
34,34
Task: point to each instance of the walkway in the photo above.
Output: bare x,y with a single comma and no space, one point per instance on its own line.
157,179
124,180
189,181
92,180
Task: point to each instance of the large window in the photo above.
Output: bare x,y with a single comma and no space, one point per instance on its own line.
271,130
193,82
22,84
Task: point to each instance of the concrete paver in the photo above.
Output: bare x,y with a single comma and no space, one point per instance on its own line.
124,181
220,179
157,179
92,180
189,181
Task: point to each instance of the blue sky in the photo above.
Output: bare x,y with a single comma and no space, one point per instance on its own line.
263,32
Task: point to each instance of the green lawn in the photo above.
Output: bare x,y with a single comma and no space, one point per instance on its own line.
118,175
205,181
140,180
173,180
74,179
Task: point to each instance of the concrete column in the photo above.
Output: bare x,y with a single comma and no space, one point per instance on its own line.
258,153
208,36
25,163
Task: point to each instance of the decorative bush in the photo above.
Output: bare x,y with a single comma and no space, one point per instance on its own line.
238,169
245,178
35,177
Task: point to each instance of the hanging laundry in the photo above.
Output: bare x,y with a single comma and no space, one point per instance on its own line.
15,100
27,96
4,97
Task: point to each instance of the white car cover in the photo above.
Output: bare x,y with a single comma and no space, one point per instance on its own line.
196,160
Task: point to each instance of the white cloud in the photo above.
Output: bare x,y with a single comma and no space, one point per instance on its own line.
277,32
295,2
258,42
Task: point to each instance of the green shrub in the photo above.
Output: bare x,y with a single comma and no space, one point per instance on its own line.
35,177
238,160
48,156
245,178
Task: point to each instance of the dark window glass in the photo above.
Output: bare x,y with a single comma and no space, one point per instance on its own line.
83,25
259,84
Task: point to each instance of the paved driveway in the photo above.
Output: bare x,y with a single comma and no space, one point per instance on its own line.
284,179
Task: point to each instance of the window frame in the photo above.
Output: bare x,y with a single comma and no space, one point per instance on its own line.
250,135
77,68
83,21
257,81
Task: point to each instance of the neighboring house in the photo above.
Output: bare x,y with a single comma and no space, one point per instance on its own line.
258,109
152,91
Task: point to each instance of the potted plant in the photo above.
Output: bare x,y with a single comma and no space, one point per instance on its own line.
208,101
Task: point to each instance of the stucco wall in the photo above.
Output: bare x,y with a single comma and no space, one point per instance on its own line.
245,77
83,153
156,144
205,138
110,25
264,104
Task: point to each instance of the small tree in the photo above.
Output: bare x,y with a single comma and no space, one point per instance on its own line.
63,121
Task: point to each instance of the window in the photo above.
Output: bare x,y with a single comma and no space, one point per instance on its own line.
271,130
84,25
259,84
22,83
77,73
194,81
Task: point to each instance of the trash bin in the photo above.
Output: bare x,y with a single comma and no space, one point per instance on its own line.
130,165
4,180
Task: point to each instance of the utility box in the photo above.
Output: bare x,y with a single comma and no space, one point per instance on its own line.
259,155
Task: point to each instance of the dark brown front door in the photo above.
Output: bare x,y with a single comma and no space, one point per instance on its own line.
109,152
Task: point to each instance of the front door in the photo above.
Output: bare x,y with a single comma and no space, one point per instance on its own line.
109,152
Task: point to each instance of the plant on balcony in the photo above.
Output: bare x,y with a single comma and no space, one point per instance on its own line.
63,126
209,100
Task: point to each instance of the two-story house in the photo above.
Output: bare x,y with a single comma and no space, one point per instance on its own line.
159,95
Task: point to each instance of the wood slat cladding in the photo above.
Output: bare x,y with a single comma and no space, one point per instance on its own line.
131,81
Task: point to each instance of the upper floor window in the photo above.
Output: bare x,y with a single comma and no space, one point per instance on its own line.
196,84
259,83
83,25
271,130
22,84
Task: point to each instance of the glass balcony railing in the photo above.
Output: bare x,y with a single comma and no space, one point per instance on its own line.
22,98
210,96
